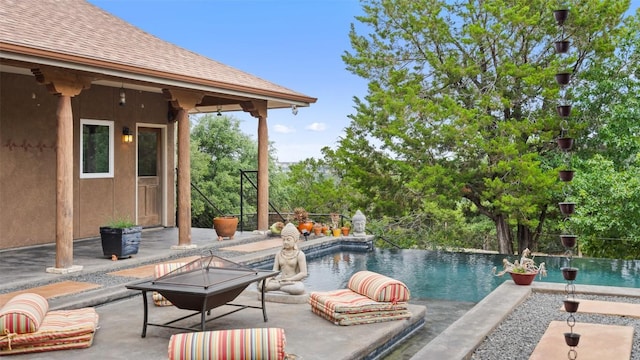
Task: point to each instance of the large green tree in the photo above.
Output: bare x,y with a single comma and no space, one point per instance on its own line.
461,104
219,151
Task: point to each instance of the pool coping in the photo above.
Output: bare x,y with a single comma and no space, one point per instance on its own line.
462,338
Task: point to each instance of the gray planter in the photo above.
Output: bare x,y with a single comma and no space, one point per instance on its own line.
120,242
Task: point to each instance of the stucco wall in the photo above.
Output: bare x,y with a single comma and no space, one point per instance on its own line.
28,160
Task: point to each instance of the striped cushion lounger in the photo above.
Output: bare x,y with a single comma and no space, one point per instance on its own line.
235,344
158,271
369,298
57,330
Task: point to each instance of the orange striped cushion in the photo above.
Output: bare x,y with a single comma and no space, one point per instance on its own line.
236,344
378,287
349,302
23,314
161,270
60,329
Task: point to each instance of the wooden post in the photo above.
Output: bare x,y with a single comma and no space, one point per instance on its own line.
64,186
65,84
184,101
258,109
263,174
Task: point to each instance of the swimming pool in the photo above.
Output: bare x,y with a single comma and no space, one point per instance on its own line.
456,276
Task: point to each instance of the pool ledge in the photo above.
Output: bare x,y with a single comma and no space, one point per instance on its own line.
461,339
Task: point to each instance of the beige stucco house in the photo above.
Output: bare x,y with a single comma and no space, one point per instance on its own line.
73,80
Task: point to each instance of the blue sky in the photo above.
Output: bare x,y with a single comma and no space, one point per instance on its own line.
293,43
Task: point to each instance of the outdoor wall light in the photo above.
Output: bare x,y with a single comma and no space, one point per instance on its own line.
123,97
127,135
294,110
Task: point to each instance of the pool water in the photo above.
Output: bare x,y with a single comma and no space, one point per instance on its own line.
457,276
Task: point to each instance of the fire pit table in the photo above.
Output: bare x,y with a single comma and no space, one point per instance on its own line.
202,285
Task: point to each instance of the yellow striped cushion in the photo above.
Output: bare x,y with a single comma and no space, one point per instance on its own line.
378,287
236,344
23,314
161,270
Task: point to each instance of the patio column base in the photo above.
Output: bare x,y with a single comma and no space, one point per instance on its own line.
184,247
67,270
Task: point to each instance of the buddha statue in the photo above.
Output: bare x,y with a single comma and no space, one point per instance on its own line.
291,262
359,222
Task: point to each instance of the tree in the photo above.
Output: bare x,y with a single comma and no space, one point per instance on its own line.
461,104
219,150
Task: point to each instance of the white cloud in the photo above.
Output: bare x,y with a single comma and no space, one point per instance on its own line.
283,129
317,127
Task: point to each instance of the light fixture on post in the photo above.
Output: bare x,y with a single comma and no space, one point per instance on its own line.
219,109
123,97
127,135
294,110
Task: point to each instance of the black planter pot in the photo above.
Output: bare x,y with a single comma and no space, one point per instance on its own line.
572,339
562,47
564,110
568,241
567,208
561,16
571,306
566,175
563,78
120,243
565,143
569,273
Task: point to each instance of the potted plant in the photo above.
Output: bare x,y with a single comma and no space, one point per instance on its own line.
276,227
301,216
522,271
225,226
346,227
120,238
317,228
335,224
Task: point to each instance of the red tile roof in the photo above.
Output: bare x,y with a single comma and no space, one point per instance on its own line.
78,32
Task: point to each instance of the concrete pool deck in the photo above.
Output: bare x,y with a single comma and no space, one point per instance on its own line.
121,310
307,335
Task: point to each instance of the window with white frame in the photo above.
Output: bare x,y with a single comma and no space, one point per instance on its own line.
96,148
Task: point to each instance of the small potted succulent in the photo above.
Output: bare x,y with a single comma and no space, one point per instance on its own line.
522,271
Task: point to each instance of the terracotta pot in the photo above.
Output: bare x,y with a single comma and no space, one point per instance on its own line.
345,231
317,230
564,110
561,16
565,143
571,306
307,225
572,339
225,226
563,78
567,208
568,241
562,47
566,175
523,278
569,273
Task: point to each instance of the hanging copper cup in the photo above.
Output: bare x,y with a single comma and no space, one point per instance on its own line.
564,110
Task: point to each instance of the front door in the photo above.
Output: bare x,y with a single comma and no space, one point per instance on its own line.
149,177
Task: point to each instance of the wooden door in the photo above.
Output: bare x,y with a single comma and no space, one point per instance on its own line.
149,177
